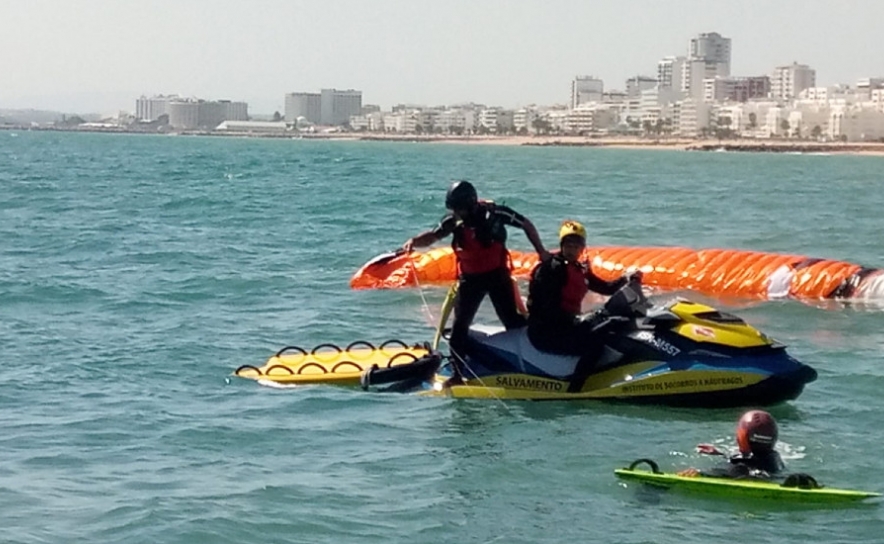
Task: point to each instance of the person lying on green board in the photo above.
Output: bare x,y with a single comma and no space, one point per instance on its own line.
756,437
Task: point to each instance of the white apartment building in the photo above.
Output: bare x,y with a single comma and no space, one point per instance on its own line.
427,119
695,74
456,121
204,114
496,119
585,89
753,118
718,88
371,122
235,111
523,120
184,114
773,121
403,122
728,116
635,85
590,118
306,105
336,107
709,55
689,117
557,119
809,120
670,71
654,103
150,109
877,99
854,123
787,82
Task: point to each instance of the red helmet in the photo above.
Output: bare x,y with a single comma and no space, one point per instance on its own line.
756,432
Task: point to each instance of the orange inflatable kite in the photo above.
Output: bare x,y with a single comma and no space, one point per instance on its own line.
709,271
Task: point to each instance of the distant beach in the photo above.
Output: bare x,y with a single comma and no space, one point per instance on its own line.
612,142
679,144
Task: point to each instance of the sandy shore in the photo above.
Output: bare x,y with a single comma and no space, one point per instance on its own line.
679,144
674,144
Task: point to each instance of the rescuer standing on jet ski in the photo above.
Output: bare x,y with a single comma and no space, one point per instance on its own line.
556,291
479,241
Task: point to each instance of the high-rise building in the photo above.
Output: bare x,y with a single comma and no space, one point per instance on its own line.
787,81
712,47
336,106
150,109
306,105
709,55
190,113
670,71
586,89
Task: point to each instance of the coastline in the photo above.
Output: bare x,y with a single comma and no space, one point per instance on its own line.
611,142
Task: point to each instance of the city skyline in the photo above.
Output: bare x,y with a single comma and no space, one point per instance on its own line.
98,55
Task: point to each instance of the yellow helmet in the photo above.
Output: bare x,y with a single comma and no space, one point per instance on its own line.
572,228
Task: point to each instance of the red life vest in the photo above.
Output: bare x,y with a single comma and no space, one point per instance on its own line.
574,289
475,258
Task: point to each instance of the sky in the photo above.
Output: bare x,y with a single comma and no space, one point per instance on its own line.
101,55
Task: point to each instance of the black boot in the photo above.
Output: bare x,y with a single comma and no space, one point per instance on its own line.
585,365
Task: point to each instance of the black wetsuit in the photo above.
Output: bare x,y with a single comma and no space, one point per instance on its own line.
556,289
551,326
760,466
479,241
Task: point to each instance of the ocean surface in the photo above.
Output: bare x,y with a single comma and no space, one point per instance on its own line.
137,272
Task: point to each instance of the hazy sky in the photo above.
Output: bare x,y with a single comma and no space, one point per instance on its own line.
100,55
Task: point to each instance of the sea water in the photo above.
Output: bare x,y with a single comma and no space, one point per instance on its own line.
136,272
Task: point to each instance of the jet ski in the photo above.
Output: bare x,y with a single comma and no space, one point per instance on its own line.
681,353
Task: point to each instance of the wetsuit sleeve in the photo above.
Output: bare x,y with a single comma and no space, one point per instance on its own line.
601,286
508,216
740,466
445,227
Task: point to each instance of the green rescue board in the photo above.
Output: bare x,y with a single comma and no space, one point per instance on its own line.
743,488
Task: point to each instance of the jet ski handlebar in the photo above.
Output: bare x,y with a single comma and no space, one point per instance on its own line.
629,301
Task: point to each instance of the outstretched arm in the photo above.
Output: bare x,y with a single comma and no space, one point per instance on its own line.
423,239
429,237
534,238
598,285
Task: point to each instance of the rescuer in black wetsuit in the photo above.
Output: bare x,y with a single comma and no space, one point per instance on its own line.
479,235
756,437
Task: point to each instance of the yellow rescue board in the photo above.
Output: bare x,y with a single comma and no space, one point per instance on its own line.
330,364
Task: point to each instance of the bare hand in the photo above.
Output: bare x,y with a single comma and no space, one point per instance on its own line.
708,449
688,473
408,246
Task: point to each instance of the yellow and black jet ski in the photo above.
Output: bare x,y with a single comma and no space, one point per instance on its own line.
682,353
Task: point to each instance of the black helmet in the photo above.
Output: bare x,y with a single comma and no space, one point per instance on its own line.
461,196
